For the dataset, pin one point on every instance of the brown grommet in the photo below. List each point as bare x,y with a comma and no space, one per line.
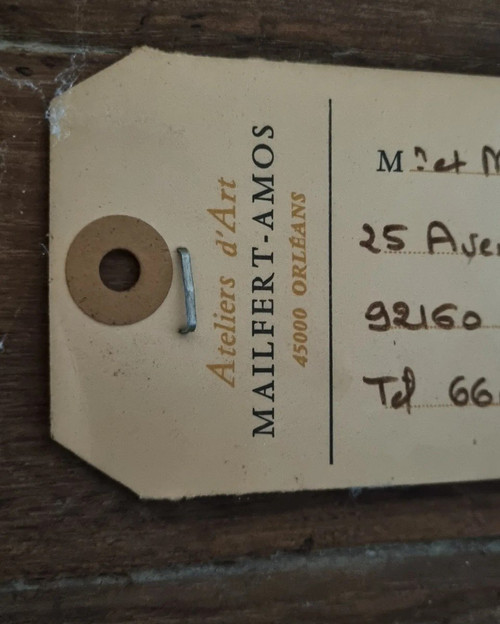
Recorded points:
88,291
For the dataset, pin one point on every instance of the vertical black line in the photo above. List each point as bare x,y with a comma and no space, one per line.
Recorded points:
330,251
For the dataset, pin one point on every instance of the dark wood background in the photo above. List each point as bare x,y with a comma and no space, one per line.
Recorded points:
77,547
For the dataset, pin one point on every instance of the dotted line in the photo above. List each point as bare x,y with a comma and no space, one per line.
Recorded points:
443,405
427,253
481,173
456,327
440,405
441,253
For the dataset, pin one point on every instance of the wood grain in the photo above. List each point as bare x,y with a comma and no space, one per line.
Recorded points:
61,519
458,35
442,583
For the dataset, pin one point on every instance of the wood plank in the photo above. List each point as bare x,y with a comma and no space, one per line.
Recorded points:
52,504
454,35
58,516
441,583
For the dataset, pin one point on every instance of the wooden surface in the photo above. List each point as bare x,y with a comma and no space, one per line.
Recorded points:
77,547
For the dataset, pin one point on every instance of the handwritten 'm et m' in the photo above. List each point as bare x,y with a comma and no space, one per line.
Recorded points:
393,163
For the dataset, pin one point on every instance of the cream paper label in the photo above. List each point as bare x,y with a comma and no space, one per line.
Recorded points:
345,241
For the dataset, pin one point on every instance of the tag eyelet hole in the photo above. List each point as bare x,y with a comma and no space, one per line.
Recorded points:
119,270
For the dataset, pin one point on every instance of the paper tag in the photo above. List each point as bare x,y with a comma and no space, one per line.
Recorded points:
343,231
